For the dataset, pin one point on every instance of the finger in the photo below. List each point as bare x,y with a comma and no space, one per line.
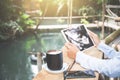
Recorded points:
67,44
65,49
91,33
118,47
70,45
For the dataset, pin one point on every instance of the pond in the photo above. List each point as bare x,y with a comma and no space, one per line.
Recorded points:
15,62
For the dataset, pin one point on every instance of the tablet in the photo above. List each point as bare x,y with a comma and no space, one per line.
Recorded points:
80,74
78,35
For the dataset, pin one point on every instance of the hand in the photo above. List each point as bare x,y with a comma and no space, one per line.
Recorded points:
71,50
118,47
94,37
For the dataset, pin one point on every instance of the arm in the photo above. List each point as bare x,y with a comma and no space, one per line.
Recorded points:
108,67
108,51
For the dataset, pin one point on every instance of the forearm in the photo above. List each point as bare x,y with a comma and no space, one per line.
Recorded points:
102,66
88,62
107,50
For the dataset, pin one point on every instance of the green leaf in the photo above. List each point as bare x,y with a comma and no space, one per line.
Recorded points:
25,16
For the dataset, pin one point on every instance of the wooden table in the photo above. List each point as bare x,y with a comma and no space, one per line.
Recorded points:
44,75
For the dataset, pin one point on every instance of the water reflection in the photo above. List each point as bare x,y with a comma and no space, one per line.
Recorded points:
51,41
14,62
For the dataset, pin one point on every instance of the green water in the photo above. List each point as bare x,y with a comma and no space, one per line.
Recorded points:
51,41
15,63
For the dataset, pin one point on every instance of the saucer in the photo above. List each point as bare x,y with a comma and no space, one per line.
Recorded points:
65,66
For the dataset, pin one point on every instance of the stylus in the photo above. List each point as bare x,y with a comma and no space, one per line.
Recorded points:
69,68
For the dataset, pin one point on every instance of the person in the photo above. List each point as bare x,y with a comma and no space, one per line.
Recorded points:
109,67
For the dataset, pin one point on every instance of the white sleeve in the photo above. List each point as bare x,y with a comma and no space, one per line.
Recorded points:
107,50
108,67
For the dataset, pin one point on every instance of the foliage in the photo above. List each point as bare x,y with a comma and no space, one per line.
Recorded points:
10,10
12,18
85,11
84,21
25,21
60,7
9,29
80,8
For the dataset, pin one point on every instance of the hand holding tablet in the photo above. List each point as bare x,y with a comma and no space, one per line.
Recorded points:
78,35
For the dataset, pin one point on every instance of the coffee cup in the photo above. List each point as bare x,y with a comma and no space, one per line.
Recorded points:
54,59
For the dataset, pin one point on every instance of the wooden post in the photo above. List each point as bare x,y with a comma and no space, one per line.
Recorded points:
71,1
103,18
69,12
39,61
